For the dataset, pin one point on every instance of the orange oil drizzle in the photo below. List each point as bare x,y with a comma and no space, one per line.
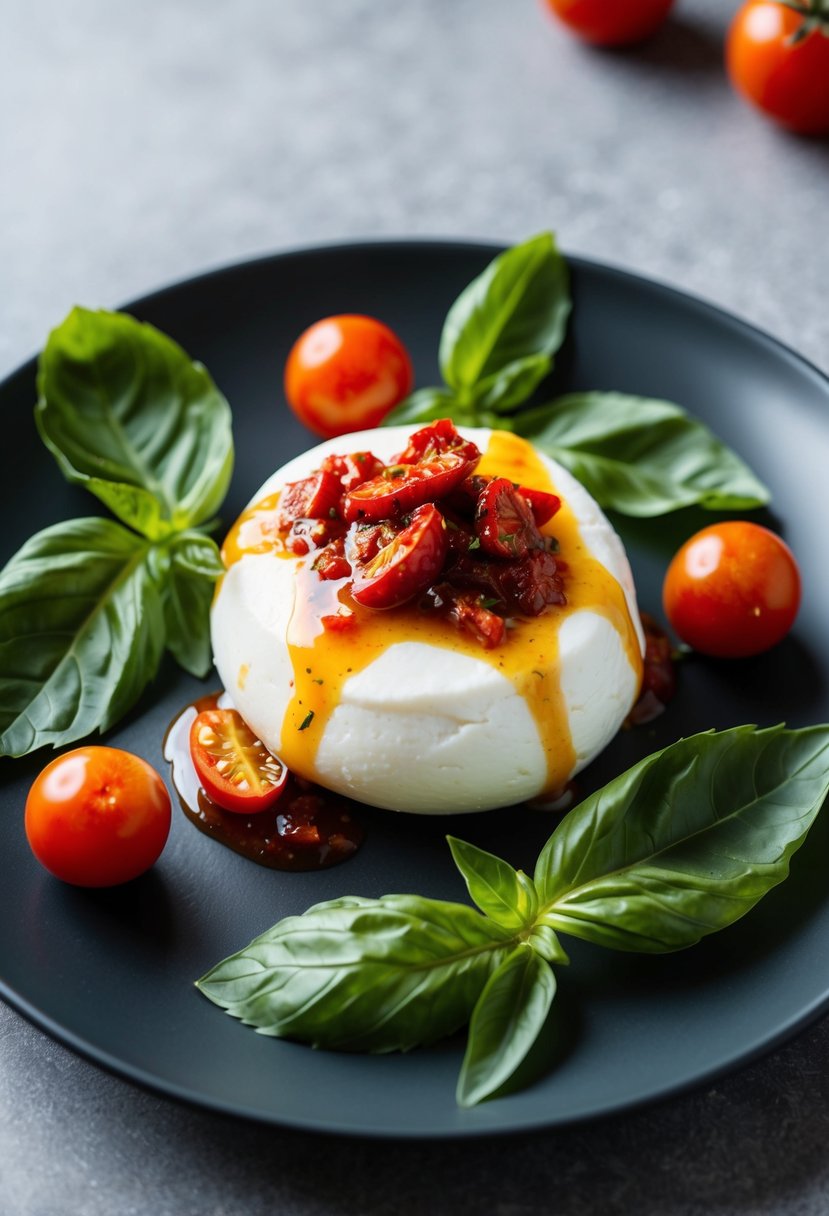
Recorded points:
324,657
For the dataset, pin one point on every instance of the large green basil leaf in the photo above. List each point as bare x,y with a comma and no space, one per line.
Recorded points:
685,842
640,456
515,311
506,895
81,633
192,566
502,391
506,1021
363,974
128,415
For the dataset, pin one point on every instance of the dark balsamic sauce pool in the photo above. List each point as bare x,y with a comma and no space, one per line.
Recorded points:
308,828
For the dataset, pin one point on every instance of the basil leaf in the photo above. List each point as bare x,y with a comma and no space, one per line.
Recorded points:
513,384
516,310
502,893
427,405
129,416
506,1022
640,456
363,974
685,842
81,633
193,565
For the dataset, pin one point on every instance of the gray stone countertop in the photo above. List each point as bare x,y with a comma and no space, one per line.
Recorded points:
142,143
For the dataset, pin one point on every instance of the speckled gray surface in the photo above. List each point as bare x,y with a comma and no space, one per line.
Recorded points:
143,143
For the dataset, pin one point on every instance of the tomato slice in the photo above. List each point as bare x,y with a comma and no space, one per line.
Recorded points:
331,562
405,567
315,497
402,487
504,521
236,770
435,440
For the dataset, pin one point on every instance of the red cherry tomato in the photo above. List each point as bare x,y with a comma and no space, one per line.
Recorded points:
97,816
611,22
404,567
732,590
236,770
402,487
345,373
780,65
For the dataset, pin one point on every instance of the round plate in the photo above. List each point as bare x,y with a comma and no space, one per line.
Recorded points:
111,973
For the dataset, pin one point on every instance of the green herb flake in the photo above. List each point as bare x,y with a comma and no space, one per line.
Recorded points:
307,720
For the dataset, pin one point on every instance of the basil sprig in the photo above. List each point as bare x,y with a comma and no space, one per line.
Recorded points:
679,846
88,606
635,455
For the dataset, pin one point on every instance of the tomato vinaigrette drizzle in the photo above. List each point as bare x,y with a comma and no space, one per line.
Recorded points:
331,637
306,829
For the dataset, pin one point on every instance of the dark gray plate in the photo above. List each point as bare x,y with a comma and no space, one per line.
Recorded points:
111,973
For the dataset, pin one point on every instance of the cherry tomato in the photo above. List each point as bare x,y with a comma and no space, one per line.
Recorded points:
403,568
345,373
402,487
236,770
97,816
781,65
732,590
611,22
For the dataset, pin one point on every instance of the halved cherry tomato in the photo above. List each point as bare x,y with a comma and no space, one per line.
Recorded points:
611,22
354,469
345,373
780,64
435,440
504,521
402,487
405,567
97,816
732,590
315,497
235,769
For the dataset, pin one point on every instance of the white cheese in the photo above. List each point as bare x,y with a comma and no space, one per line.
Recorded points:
426,729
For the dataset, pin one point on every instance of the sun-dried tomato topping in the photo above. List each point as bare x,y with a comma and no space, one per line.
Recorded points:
306,535
542,504
504,521
658,674
401,488
331,562
354,469
405,567
426,527
466,610
435,440
315,497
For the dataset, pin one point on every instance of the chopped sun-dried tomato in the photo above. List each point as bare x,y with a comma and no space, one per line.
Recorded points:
504,521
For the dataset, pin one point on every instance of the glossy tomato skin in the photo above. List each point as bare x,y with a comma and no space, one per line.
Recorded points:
788,80
97,817
235,769
611,22
345,373
732,590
